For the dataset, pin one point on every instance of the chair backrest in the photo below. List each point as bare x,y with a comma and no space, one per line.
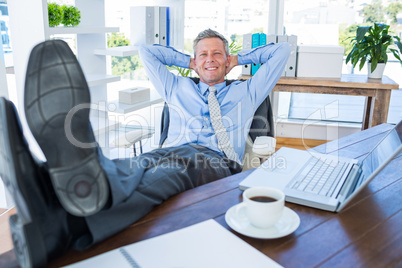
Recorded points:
262,124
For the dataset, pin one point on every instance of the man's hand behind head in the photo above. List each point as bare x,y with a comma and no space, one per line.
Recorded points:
192,66
233,63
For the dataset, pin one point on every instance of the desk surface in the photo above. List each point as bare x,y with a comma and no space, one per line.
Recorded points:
346,81
376,91
366,233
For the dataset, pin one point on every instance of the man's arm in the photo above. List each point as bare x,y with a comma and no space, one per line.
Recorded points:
273,58
155,58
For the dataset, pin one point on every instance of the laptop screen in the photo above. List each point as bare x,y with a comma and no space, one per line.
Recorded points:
389,146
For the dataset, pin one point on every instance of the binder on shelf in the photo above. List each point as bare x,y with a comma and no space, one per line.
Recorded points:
291,64
156,25
255,42
254,68
263,39
271,38
167,26
263,42
142,25
149,25
162,26
280,39
247,44
247,38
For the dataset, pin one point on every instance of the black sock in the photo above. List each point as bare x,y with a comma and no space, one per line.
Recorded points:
81,235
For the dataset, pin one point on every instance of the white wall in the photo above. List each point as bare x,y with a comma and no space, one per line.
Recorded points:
5,200
27,29
3,77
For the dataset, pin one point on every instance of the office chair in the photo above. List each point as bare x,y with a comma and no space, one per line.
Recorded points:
261,126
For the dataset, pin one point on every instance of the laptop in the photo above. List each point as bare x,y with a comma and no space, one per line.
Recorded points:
327,182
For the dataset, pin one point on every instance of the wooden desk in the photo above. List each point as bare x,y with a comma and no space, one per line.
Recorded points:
365,234
377,92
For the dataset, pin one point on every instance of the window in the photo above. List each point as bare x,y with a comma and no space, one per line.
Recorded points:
330,22
232,18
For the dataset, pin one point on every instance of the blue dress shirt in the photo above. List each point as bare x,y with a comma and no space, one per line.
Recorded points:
188,102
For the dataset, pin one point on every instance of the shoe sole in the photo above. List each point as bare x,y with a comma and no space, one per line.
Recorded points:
26,239
57,103
28,244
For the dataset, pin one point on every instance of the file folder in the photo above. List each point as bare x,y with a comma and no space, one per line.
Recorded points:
142,25
247,41
255,42
156,25
162,26
263,42
247,44
280,39
263,39
291,64
271,38
167,26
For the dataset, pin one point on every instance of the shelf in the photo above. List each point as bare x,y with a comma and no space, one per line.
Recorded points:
82,30
123,51
100,79
123,108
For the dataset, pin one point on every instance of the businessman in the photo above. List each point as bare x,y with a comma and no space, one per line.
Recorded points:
79,197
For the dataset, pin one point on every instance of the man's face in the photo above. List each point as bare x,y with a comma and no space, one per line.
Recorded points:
211,60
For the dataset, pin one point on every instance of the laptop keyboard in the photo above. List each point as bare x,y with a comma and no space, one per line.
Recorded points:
319,177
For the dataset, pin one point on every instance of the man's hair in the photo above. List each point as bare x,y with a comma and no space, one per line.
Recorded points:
208,33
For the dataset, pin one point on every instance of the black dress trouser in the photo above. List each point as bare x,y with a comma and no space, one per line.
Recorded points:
139,184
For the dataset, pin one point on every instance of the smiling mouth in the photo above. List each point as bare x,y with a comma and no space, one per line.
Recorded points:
211,68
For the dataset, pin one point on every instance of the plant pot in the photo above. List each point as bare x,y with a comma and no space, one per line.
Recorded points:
377,74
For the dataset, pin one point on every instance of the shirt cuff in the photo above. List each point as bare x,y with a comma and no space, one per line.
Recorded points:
242,57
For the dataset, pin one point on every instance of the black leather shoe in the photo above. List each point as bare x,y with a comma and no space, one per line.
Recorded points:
40,228
57,103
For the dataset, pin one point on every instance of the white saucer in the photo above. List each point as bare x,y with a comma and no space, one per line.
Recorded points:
286,225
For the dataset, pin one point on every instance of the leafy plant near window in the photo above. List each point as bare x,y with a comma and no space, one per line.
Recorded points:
234,48
346,33
67,15
55,14
71,16
372,43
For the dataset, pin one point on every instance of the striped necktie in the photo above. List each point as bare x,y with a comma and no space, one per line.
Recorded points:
220,131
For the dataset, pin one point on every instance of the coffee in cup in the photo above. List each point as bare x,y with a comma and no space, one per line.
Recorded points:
264,205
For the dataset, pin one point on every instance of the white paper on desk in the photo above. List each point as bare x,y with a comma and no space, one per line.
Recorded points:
206,244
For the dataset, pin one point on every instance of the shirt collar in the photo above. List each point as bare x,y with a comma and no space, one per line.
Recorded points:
204,87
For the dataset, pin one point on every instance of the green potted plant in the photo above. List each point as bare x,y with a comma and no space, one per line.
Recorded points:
55,14
71,16
371,45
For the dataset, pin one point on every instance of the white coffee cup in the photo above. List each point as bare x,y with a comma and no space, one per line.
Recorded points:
264,146
264,205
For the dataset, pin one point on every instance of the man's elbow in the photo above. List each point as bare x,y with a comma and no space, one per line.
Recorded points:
285,47
146,52
142,49
284,50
